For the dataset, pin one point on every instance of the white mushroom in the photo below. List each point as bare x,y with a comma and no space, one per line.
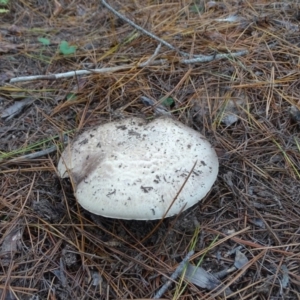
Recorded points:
134,169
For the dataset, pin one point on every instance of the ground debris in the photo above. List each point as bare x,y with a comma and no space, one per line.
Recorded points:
16,108
9,246
203,279
48,211
295,113
69,255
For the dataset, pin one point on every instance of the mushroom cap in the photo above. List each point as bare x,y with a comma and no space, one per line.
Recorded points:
134,169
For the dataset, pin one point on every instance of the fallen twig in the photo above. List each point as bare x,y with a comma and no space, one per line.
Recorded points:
153,36
83,72
199,59
150,59
173,277
207,58
195,59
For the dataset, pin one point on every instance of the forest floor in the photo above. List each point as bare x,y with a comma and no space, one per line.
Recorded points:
243,96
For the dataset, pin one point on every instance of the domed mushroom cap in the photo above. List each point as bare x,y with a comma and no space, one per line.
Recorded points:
132,169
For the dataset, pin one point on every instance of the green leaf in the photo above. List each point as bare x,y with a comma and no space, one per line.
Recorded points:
2,10
4,2
168,102
44,41
65,49
71,97
197,8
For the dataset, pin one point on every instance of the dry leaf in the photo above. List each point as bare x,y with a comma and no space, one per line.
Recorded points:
96,278
240,259
295,114
203,279
257,222
285,276
231,112
9,246
15,108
